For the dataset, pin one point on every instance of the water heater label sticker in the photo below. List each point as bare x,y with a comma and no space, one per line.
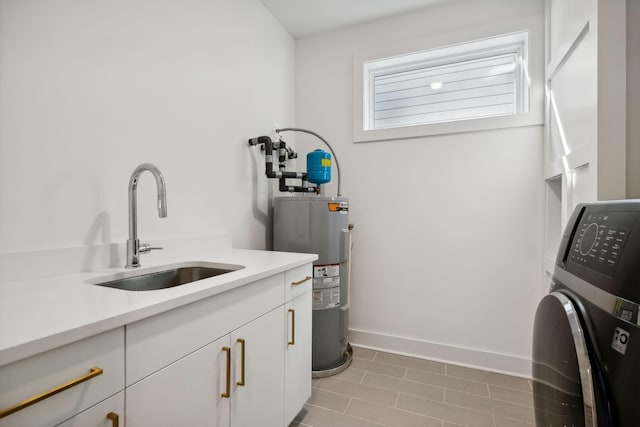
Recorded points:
324,299
328,270
326,276
620,340
326,282
339,207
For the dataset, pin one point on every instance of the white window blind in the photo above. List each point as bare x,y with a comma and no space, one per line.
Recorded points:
474,80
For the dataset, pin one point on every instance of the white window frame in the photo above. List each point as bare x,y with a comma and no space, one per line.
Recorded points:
530,106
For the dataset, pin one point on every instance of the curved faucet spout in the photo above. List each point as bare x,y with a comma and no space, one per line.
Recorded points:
133,244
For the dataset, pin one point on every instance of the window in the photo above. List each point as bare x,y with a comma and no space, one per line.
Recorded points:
474,80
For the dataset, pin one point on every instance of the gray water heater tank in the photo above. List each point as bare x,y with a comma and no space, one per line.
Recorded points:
320,225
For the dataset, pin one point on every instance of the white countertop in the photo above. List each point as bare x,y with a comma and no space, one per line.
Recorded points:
39,315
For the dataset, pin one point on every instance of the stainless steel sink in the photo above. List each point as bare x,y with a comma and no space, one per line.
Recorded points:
168,278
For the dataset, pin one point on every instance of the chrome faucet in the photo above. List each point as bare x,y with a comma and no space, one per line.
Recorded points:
134,248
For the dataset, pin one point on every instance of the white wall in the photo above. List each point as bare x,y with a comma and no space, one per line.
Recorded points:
89,89
633,99
588,155
447,238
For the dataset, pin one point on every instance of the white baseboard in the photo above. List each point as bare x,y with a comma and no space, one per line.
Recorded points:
479,359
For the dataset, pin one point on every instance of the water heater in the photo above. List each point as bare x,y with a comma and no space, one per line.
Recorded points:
320,225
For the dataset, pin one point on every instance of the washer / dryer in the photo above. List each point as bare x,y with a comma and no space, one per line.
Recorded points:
586,338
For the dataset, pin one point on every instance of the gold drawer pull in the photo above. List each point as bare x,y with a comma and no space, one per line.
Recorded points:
94,372
293,327
241,382
306,279
227,393
115,419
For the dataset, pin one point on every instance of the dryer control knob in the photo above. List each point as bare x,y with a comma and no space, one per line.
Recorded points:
588,239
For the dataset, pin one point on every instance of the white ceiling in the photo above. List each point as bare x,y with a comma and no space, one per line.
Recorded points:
307,17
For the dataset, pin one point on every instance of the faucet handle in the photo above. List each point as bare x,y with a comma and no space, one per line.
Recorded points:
146,248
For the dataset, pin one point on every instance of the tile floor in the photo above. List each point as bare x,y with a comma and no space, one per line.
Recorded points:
384,389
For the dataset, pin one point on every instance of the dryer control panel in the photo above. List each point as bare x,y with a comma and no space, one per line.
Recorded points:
601,245
600,238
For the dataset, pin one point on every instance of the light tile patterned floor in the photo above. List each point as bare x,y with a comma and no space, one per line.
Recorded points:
384,389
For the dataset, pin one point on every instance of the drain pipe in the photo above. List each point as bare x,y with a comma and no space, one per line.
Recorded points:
321,139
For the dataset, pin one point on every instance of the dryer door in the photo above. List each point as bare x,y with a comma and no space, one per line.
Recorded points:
562,376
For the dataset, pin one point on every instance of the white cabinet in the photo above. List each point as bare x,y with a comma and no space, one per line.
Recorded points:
157,341
108,413
257,397
177,361
185,393
195,391
297,360
94,365
298,281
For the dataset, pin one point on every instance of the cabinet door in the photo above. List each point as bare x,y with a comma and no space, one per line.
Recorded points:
297,355
95,365
109,413
258,401
185,393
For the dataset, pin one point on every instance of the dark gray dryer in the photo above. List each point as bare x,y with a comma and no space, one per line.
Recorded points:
586,339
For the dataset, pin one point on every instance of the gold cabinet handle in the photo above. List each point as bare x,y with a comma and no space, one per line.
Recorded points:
114,419
241,382
94,372
293,327
306,279
227,393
